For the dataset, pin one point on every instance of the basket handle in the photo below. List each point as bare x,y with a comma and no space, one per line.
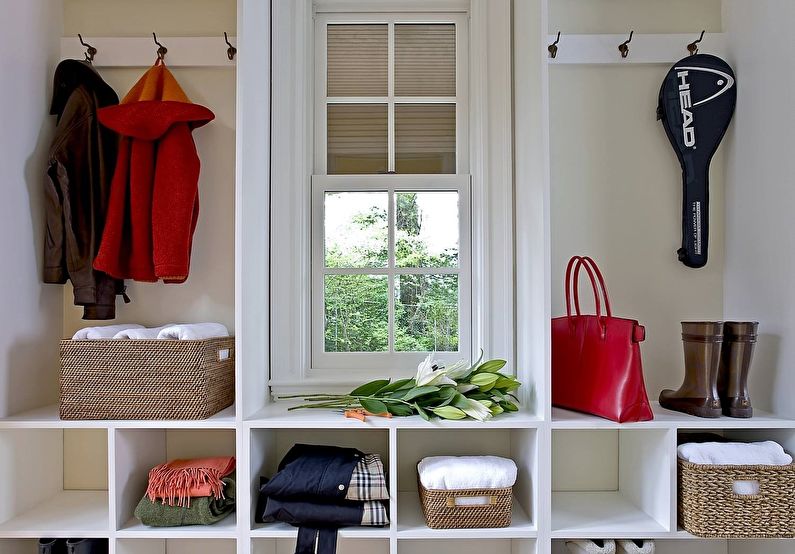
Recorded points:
471,501
224,354
746,488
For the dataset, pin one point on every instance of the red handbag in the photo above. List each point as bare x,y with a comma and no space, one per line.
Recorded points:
596,365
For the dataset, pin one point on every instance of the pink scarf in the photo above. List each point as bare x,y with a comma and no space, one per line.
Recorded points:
179,480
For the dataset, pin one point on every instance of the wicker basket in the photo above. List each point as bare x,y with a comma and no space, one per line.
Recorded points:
443,509
146,379
709,507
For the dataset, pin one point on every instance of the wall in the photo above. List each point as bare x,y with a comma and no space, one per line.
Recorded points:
208,295
30,330
760,195
616,195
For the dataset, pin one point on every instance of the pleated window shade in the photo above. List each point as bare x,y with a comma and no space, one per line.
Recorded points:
425,138
357,138
424,60
357,59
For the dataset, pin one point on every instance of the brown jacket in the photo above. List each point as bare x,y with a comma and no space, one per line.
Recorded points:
81,163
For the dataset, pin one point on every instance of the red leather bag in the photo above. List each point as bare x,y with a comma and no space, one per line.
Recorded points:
596,365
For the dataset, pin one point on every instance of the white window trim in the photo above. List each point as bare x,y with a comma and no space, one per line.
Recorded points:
492,208
388,363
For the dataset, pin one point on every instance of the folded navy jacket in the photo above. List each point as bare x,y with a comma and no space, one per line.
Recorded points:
309,491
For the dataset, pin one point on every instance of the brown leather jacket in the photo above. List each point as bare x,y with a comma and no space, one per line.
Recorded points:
81,163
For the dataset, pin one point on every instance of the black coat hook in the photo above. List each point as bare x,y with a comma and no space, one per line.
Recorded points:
90,50
693,46
624,46
162,50
231,51
553,48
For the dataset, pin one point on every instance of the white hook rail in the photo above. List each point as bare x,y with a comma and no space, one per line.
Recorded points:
142,52
649,48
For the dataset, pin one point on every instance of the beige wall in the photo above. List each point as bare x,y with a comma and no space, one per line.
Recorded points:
208,295
616,194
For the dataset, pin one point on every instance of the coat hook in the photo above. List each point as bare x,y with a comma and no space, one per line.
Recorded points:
693,46
553,48
162,50
624,46
90,50
231,51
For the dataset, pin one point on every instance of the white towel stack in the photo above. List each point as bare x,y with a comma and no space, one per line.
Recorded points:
768,453
171,331
466,472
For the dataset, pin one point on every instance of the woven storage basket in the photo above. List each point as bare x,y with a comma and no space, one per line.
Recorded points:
442,511
146,379
709,507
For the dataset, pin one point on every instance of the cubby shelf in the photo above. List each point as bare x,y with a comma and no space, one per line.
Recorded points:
285,531
411,524
277,415
224,529
601,515
48,418
66,514
667,419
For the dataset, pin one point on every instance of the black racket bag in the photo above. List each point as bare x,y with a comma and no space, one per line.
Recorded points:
696,104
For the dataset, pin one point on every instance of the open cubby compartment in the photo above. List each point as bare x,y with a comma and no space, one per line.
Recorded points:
55,483
137,451
669,546
610,483
518,444
468,546
268,446
176,546
345,545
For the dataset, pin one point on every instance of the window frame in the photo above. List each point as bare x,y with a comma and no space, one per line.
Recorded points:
461,98
390,362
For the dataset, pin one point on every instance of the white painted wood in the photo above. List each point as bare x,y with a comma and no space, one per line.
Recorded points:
605,514
142,51
78,514
136,452
348,6
175,546
644,48
644,472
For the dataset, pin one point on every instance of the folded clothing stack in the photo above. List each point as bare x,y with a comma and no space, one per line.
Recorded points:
766,453
189,492
450,473
321,488
170,331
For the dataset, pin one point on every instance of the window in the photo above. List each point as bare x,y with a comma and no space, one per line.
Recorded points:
391,267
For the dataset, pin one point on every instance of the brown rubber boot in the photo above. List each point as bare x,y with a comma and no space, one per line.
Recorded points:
739,338
698,394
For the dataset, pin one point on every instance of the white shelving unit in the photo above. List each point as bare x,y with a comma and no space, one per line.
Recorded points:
579,476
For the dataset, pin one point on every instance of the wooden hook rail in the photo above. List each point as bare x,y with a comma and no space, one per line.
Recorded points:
141,52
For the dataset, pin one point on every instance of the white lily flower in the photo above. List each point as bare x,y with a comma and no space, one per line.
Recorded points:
465,387
429,373
458,370
474,409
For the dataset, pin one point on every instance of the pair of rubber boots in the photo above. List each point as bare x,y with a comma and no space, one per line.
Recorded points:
717,360
610,546
73,546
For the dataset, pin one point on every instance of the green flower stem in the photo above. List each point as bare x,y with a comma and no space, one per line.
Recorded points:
341,401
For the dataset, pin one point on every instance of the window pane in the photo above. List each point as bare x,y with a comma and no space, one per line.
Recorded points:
425,60
425,138
426,233
357,60
357,315
355,229
426,313
357,138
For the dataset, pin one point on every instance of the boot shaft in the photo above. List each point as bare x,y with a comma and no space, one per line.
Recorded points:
737,353
52,546
702,342
87,546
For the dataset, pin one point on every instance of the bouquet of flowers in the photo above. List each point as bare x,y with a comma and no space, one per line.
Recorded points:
478,391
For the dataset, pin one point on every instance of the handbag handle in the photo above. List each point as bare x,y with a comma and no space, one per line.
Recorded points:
579,261
588,262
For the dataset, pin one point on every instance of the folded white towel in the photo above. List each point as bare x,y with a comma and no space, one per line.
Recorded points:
105,332
767,453
193,331
466,472
149,333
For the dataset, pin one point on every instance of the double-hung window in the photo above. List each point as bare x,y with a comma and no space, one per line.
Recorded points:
391,230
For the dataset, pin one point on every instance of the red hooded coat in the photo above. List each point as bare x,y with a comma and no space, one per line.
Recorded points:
154,196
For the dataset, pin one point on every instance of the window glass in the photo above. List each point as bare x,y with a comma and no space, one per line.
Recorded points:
355,229
426,233
357,138
425,138
426,313
424,60
356,313
356,60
